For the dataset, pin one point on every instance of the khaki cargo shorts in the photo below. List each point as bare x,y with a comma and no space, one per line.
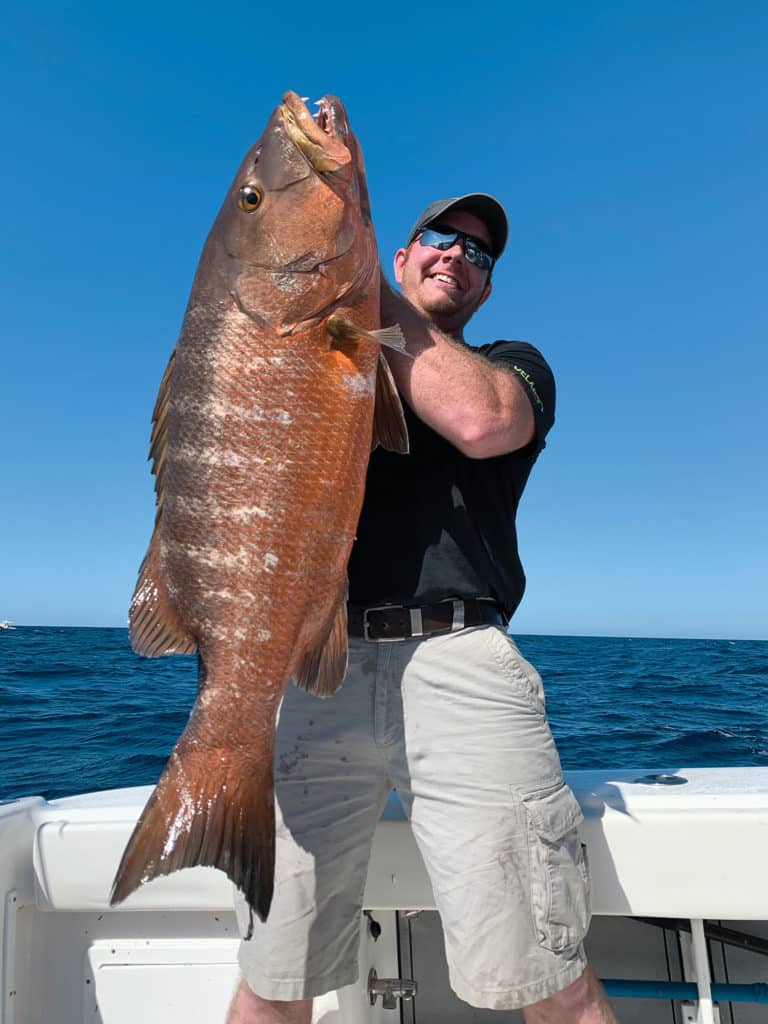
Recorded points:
457,724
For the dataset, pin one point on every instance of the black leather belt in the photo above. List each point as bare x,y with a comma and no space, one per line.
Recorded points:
393,622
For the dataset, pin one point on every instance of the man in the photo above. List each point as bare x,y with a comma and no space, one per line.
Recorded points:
451,715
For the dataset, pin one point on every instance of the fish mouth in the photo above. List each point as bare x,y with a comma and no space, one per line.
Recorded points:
322,139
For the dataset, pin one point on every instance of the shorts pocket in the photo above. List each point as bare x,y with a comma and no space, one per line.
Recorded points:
519,671
559,870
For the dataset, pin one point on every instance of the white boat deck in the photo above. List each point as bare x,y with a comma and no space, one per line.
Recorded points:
696,851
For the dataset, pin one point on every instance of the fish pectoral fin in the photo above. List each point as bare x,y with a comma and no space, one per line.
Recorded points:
206,810
392,337
323,667
389,429
155,625
341,329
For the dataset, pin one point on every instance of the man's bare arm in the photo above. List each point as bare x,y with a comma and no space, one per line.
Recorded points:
480,408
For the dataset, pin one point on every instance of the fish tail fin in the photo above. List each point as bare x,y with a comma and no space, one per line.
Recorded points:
199,817
155,625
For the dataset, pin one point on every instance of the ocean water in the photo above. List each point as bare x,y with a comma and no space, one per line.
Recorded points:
81,712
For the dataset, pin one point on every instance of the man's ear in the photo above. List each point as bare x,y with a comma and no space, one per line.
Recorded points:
398,263
486,294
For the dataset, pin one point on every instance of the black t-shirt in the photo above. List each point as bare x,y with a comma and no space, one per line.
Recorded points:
436,524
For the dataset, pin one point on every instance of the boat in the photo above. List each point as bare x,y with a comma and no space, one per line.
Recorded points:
679,896
5,624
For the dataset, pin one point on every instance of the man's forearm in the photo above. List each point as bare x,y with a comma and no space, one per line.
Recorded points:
478,407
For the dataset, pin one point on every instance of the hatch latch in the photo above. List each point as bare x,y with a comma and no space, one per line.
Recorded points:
390,989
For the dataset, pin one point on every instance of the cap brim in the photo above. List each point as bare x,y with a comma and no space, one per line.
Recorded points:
479,204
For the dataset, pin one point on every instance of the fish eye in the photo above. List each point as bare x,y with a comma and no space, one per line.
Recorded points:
249,198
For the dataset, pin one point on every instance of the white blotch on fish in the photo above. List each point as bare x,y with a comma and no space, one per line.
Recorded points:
212,455
213,557
214,510
179,824
359,384
245,513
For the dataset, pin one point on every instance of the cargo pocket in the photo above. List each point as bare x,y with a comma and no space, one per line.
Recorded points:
559,870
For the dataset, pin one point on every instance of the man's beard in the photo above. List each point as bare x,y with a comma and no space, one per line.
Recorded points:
449,317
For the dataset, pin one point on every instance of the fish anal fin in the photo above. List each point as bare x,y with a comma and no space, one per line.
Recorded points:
322,668
389,428
155,625
198,816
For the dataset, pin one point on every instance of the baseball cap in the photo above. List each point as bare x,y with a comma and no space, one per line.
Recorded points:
484,207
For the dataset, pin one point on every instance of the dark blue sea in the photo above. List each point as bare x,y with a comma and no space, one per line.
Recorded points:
81,712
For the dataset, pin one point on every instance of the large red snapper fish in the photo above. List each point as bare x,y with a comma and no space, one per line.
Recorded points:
273,398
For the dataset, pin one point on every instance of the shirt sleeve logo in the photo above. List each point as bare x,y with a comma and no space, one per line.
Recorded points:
531,386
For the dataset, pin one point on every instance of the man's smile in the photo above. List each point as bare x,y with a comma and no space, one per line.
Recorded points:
448,280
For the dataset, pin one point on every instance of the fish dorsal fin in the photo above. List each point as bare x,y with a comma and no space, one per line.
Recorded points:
323,667
158,445
389,429
155,625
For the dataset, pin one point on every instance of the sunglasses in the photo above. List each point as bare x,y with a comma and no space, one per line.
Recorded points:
475,251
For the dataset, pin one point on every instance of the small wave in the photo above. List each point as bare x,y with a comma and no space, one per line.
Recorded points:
756,669
72,672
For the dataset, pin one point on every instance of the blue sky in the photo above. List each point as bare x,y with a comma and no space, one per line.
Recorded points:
629,145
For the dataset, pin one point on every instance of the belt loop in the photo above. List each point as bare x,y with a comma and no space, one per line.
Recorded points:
417,625
457,622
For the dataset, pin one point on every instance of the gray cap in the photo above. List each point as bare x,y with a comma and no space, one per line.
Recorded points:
484,207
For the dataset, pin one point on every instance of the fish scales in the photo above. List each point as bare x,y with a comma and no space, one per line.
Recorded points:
262,430
300,496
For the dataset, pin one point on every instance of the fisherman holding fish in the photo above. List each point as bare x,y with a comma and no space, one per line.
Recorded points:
437,701
275,557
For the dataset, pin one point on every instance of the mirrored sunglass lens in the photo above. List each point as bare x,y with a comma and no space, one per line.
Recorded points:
437,239
473,251
475,254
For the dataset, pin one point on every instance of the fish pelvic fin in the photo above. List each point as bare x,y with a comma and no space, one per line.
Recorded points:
323,666
155,624
389,428
198,816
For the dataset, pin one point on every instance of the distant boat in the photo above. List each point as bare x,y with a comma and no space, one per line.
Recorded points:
5,624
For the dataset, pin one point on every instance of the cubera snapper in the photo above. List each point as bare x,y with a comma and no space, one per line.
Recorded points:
273,398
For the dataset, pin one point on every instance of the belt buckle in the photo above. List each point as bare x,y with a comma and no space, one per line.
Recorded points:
380,639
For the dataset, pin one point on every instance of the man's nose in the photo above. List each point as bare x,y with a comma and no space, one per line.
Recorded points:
455,252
